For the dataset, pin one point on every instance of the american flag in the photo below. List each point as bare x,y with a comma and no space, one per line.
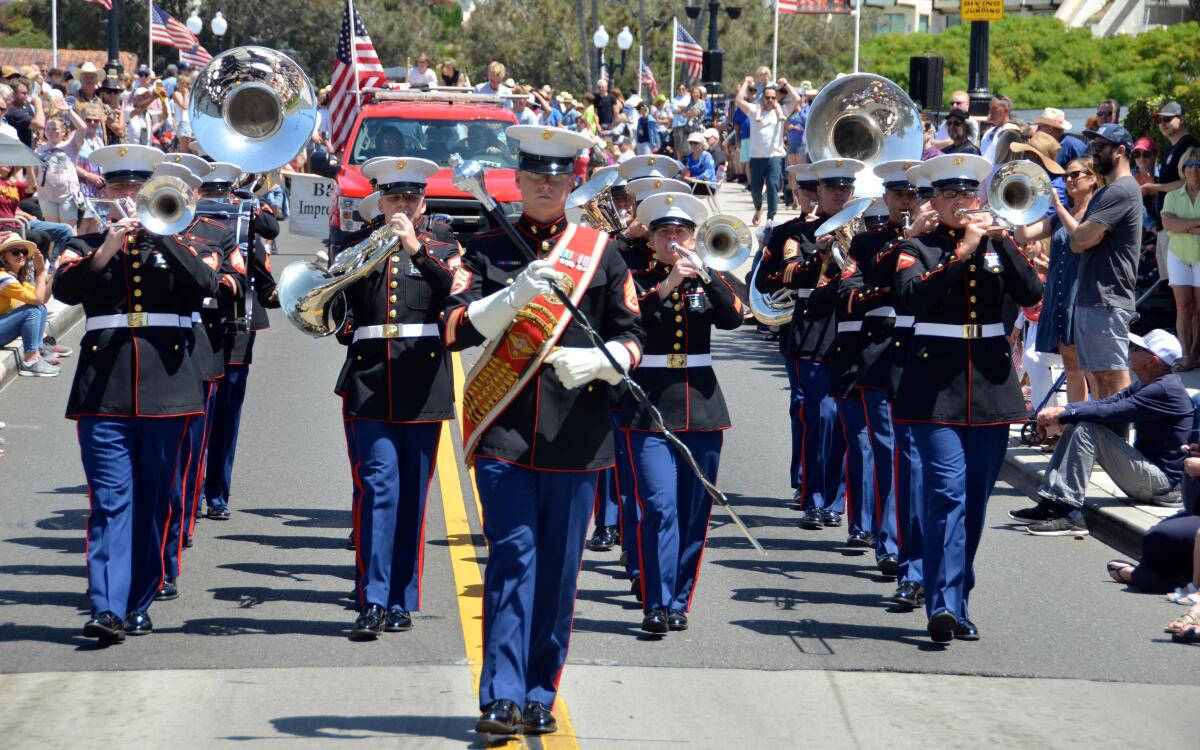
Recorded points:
789,6
166,29
360,62
687,51
196,56
106,4
814,6
649,81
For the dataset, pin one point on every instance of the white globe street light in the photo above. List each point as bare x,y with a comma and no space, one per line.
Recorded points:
600,38
625,39
219,25
194,24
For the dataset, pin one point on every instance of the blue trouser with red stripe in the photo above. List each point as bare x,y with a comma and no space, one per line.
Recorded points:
824,448
132,470
909,505
222,444
183,505
795,413
859,482
536,524
392,466
675,509
878,410
960,465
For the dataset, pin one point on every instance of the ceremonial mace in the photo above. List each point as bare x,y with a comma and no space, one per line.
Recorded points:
468,177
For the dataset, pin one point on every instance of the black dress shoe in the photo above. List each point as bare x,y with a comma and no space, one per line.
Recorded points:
168,592
811,519
635,586
218,512
965,630
138,623
397,621
677,620
350,543
538,719
187,541
860,539
655,622
604,539
942,626
501,717
909,594
106,626
369,624
889,565
831,518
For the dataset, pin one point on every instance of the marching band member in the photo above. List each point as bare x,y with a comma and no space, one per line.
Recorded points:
396,390
535,421
242,325
796,259
679,310
959,390
806,188
206,354
134,390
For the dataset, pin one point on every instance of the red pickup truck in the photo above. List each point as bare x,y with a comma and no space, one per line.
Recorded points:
430,125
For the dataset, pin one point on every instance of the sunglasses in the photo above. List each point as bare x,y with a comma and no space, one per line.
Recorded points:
1098,145
1077,174
18,251
1104,113
768,98
953,123
1142,154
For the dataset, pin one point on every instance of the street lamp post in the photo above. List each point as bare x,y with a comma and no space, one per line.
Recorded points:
624,42
977,69
114,38
600,41
714,56
219,26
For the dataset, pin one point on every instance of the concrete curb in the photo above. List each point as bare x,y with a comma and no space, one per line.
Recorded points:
1111,517
61,319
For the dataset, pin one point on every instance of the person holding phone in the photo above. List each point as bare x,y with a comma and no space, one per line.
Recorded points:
23,303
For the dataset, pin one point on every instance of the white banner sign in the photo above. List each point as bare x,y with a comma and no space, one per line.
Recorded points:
310,197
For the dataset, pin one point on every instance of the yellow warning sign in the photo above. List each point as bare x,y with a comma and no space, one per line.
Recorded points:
981,10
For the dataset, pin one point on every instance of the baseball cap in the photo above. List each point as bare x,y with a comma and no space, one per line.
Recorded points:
959,113
1159,343
1113,133
1170,109
696,138
143,70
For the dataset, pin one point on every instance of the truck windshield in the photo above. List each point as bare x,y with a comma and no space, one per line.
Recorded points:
481,140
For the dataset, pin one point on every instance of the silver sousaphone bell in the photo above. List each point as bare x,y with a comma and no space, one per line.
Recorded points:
253,107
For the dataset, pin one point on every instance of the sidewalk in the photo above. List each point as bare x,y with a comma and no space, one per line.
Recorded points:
60,320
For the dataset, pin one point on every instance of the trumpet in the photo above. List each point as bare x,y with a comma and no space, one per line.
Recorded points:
91,205
695,260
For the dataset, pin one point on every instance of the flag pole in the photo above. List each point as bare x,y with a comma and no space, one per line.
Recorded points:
150,43
54,33
775,52
857,30
674,38
353,52
641,64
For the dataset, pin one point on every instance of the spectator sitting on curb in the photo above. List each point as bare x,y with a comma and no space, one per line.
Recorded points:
1169,550
1149,470
23,304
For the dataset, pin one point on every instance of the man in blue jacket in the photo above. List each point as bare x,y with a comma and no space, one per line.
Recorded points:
1149,470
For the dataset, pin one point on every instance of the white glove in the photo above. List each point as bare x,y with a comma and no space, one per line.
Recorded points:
492,314
577,366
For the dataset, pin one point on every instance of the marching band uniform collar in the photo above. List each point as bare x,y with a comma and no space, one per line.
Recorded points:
539,231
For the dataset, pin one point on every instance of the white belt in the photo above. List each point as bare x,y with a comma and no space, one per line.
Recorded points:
210,303
965,331
850,325
905,321
880,312
803,293
396,331
186,321
674,361
136,320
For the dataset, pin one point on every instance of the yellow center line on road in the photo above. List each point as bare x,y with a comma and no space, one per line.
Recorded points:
468,577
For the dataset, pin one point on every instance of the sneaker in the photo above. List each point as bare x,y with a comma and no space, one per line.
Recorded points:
1069,525
1043,511
38,368
1173,499
51,360
56,350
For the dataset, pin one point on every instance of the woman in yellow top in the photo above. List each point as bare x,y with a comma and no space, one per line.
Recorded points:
1181,220
23,304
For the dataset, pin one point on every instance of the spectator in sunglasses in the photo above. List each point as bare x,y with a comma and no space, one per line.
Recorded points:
23,302
1143,171
1108,111
1181,220
956,127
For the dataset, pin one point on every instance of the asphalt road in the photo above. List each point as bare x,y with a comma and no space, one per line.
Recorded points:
263,618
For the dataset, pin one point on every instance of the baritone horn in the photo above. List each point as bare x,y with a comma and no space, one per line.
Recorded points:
165,205
1019,194
253,107
592,204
